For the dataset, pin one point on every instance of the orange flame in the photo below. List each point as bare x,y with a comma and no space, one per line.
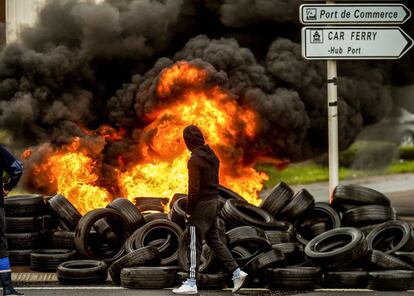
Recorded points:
161,165
109,133
26,154
163,170
73,173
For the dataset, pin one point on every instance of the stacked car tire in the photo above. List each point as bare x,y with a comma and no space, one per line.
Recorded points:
289,242
58,236
24,223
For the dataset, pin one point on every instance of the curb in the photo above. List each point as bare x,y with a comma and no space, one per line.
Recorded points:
34,278
39,278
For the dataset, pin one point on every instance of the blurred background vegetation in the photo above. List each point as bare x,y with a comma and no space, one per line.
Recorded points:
3,137
362,159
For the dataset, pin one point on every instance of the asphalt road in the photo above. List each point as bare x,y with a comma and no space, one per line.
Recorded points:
110,291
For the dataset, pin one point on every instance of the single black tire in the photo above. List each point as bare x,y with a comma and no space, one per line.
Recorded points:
176,197
155,216
366,215
19,257
300,203
255,281
380,260
243,235
366,230
337,247
227,193
149,277
357,195
147,256
82,272
278,237
407,257
282,226
305,263
400,232
106,231
28,205
319,228
49,222
345,207
243,255
23,224
22,241
130,244
177,213
207,260
50,259
239,213
162,244
129,211
395,280
329,220
346,279
293,252
270,259
63,240
206,280
277,199
44,239
67,215
289,248
287,226
157,204
300,278
83,230
307,230
160,229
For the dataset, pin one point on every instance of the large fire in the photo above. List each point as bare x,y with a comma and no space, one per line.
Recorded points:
161,166
72,171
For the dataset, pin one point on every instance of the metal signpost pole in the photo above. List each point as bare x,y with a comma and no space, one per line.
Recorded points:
350,42
332,74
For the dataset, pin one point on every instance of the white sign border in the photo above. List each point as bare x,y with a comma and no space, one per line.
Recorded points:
303,41
301,15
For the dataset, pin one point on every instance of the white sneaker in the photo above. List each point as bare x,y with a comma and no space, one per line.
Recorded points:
239,281
186,289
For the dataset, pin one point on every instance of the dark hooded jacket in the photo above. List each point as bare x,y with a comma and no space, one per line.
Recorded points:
13,167
203,169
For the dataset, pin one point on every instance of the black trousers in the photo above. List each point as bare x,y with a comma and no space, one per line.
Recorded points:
203,225
3,240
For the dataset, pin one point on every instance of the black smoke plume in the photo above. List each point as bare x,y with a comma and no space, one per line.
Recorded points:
83,65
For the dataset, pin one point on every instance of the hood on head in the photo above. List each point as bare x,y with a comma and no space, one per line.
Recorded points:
193,137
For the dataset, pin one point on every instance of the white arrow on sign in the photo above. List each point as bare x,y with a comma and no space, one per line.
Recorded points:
354,43
368,14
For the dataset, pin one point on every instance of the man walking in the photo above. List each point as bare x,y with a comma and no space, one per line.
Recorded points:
14,168
202,211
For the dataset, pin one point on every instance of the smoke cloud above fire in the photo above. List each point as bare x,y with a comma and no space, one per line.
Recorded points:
93,72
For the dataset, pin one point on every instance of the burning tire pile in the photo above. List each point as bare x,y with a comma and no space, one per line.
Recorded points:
289,242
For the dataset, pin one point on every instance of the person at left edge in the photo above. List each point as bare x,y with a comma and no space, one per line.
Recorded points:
14,168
